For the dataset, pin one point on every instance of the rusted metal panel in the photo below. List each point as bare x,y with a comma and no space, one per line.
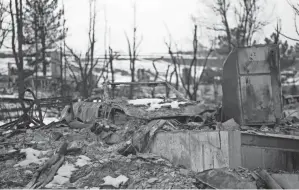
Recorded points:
253,60
257,99
230,89
251,86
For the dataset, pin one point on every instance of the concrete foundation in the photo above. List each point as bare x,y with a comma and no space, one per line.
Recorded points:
199,151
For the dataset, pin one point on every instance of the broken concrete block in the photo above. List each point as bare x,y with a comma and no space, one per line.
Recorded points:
105,134
56,135
287,181
152,180
74,146
114,139
264,128
223,179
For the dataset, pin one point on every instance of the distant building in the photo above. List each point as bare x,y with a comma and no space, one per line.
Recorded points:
32,79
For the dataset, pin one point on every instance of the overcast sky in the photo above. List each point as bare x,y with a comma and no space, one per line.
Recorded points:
155,20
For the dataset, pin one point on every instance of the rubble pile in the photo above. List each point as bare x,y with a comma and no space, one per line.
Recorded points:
104,155
90,158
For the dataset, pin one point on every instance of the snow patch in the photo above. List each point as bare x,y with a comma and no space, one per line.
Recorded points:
145,101
63,175
115,182
48,120
66,170
173,105
82,161
6,132
32,156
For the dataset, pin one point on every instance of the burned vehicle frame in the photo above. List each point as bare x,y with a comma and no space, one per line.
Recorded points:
119,111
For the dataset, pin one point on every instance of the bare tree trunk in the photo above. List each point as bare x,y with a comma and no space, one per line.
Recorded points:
3,30
111,58
17,28
43,40
61,71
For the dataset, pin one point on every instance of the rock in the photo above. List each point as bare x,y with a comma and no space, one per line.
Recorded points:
230,125
224,179
264,128
49,153
29,131
184,172
41,146
75,144
56,135
74,148
28,172
277,129
114,139
39,138
152,180
105,134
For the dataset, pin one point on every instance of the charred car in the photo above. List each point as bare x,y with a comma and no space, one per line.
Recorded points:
149,101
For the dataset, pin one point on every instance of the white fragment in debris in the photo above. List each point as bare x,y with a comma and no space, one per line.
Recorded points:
48,120
11,150
230,125
31,125
32,157
145,101
115,182
57,181
7,132
82,161
63,175
94,188
173,105
66,170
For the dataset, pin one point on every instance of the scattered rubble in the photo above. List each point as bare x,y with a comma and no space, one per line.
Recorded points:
102,153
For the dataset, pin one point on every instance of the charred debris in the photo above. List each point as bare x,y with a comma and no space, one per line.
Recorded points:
108,142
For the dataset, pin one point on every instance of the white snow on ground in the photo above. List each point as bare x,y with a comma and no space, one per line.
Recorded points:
6,132
115,182
145,101
1,123
63,175
82,161
32,156
147,65
174,105
8,95
155,103
65,171
48,120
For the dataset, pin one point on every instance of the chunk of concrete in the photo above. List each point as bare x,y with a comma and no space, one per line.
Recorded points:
287,181
223,179
198,150
230,125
